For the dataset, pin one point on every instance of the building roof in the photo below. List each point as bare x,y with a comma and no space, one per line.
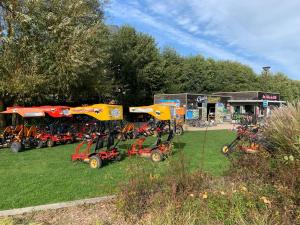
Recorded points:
229,92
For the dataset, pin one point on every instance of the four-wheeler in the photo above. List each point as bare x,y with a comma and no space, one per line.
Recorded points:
8,135
100,153
54,134
57,132
160,149
245,141
27,136
98,138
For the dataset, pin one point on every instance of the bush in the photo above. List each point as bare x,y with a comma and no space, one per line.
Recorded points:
282,132
260,188
241,197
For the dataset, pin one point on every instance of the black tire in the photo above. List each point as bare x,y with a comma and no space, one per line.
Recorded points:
50,143
70,141
16,147
118,157
95,162
179,130
40,144
156,156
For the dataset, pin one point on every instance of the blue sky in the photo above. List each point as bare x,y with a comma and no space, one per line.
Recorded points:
256,32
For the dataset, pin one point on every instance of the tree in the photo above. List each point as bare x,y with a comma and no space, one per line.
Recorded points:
289,90
56,50
234,76
134,65
171,69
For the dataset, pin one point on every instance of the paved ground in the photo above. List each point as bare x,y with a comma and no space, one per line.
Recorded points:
13,212
223,126
100,213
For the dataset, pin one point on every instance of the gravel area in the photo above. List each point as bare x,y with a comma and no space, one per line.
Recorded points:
104,213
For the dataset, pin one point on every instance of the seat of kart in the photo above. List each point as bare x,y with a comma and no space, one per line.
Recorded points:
159,141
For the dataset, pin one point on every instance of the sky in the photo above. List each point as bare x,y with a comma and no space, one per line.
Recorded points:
256,33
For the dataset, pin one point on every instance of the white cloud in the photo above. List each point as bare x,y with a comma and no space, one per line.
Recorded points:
254,32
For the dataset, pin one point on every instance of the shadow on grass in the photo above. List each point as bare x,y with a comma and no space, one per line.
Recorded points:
179,145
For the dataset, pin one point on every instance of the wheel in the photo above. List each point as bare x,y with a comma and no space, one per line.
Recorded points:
118,157
40,144
50,143
156,156
225,150
95,162
179,130
72,140
16,147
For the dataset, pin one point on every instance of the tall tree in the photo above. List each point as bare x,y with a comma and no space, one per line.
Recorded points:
56,50
134,64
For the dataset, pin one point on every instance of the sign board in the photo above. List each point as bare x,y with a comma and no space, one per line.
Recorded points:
201,99
268,96
211,99
192,114
219,113
265,103
170,102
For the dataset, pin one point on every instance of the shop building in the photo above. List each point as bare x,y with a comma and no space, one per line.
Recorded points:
257,103
221,106
197,106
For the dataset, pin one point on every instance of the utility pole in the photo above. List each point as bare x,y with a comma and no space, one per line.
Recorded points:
265,77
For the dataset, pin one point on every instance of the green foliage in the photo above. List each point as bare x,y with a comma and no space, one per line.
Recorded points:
282,132
61,51
270,196
54,50
134,64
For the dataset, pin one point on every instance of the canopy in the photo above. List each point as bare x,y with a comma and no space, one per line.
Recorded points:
101,112
160,112
39,111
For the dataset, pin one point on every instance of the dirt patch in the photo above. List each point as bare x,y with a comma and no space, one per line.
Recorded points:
104,213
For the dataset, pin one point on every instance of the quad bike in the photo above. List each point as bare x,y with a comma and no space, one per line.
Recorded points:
84,127
245,141
160,149
27,136
163,126
100,153
8,135
157,152
53,136
24,139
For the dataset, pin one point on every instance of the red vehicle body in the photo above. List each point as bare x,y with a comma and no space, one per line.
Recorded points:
52,139
100,153
86,155
157,152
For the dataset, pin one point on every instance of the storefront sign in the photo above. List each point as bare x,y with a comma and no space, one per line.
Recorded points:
265,103
211,99
268,96
201,99
192,114
170,102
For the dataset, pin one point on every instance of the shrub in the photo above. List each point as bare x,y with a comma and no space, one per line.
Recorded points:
282,132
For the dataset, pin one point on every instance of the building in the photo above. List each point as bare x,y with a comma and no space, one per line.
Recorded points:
255,103
197,106
222,106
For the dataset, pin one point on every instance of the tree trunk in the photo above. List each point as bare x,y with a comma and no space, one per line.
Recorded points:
2,118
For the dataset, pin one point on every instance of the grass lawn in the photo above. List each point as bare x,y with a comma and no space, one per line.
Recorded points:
41,176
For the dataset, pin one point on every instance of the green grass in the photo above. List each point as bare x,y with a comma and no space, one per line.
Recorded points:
41,176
